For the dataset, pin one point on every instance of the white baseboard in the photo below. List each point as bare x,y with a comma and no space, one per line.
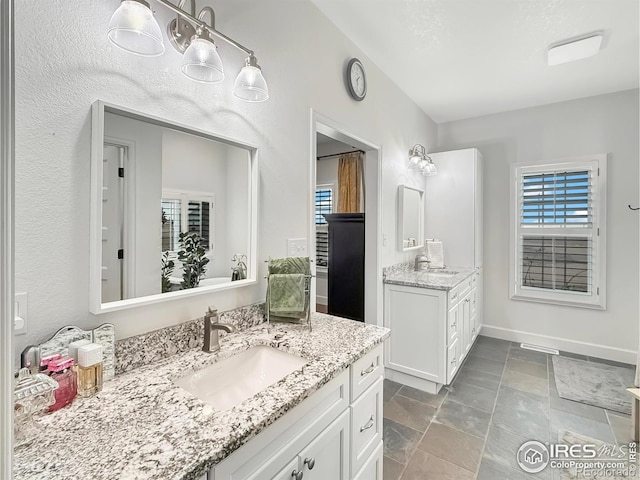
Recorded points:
322,300
411,381
573,346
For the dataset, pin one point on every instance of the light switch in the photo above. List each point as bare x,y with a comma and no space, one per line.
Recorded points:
297,247
21,313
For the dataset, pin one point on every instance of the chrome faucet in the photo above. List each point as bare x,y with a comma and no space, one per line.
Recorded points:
211,331
421,259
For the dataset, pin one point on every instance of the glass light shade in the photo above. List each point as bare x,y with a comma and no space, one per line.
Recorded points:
201,61
134,29
250,85
429,169
415,161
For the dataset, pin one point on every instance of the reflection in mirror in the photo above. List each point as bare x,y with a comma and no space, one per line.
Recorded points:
410,218
176,210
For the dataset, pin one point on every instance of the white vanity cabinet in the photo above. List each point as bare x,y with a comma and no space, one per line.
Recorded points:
334,434
432,331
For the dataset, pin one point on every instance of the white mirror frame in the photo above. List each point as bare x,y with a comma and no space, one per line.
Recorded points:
95,250
420,239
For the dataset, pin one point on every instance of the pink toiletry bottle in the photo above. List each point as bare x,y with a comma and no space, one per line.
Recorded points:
60,370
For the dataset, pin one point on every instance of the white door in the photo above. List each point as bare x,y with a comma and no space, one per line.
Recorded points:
327,457
112,223
290,472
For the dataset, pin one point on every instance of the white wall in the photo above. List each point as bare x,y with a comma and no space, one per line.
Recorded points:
59,76
602,124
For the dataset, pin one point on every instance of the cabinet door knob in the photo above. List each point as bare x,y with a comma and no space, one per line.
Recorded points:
368,370
310,463
297,475
454,324
367,425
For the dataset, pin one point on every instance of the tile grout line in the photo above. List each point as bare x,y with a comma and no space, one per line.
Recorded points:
425,432
495,403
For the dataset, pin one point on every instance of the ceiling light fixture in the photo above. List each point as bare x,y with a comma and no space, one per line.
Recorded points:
134,29
576,49
418,159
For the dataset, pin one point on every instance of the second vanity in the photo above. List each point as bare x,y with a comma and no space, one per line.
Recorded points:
435,317
323,420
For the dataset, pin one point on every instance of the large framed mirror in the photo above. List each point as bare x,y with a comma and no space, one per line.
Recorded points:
173,210
410,218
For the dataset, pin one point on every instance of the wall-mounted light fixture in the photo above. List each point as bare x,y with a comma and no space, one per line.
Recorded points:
134,29
419,159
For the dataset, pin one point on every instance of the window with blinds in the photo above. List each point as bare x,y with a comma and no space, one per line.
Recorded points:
182,212
324,204
558,239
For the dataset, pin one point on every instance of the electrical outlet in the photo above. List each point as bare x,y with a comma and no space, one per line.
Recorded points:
297,247
20,314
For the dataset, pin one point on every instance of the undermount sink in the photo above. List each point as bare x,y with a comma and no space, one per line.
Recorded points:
231,381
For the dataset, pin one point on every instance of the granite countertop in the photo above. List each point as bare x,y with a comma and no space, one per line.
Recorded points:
405,274
143,426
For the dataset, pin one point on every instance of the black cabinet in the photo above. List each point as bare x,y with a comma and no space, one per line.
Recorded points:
346,265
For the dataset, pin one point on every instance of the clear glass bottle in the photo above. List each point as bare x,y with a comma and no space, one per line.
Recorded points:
89,380
89,370
60,370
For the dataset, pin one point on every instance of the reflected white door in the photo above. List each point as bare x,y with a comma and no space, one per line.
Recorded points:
112,222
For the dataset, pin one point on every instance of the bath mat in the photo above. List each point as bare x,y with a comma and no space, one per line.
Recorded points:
594,383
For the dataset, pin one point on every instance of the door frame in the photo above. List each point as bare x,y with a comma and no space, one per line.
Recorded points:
373,209
7,181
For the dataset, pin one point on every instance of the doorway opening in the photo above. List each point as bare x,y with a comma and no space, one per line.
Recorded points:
352,285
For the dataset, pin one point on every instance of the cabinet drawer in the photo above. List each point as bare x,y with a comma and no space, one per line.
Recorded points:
372,469
452,360
366,425
474,301
452,325
453,296
366,371
465,285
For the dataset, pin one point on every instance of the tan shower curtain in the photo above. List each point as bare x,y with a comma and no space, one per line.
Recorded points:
350,183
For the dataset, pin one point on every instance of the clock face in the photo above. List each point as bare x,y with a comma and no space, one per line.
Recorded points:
356,79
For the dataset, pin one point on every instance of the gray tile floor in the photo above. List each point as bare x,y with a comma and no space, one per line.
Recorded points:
502,396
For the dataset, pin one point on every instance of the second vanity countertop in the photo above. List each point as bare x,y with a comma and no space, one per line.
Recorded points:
405,274
143,426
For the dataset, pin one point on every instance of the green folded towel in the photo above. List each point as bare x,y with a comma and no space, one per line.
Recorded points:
290,265
287,294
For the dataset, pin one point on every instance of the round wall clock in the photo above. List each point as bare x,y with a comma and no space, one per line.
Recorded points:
356,80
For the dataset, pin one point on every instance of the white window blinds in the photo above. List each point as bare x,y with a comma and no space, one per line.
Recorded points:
558,238
324,204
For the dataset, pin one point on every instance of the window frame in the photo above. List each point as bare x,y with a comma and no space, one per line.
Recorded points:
596,298
185,198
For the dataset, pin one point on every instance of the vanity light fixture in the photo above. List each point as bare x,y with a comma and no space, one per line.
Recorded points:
419,159
134,29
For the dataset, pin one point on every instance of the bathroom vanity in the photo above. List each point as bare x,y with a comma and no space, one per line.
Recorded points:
435,317
323,420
